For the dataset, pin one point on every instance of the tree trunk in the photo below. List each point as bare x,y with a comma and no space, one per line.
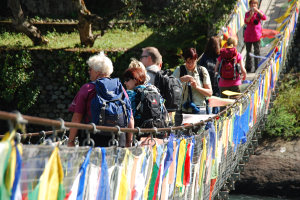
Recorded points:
86,19
85,31
24,26
85,24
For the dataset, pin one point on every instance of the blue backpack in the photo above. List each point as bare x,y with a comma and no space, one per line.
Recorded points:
110,107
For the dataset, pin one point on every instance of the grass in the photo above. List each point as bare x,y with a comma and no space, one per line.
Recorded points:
284,118
115,39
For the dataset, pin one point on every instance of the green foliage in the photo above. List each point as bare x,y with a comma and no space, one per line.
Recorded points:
24,71
133,13
76,70
284,118
196,17
17,84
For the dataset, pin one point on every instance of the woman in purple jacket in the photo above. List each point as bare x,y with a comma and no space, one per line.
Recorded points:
253,32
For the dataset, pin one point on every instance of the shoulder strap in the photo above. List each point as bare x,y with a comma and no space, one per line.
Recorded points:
156,80
220,65
200,72
182,71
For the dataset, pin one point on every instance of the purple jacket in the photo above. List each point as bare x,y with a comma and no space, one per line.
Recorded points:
253,31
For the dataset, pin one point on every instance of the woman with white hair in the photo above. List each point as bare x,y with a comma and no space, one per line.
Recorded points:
100,69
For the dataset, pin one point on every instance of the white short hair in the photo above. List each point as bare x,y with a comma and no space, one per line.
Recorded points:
101,63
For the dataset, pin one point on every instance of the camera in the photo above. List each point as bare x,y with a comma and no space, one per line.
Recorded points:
255,21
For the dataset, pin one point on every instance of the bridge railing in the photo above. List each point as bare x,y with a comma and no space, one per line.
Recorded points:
197,161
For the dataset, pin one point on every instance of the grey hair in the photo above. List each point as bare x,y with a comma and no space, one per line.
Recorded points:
154,54
101,63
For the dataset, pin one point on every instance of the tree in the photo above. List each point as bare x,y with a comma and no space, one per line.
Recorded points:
22,25
87,19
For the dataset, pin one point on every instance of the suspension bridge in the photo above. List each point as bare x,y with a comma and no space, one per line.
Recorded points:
197,161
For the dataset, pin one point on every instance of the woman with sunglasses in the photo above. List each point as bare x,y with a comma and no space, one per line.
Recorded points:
146,102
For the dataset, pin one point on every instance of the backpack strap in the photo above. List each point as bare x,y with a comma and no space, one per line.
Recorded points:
234,68
124,107
102,111
200,72
220,66
182,71
190,92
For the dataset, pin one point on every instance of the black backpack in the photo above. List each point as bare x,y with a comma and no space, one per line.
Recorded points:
150,110
210,66
170,89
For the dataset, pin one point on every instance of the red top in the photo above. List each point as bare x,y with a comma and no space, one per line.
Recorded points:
253,32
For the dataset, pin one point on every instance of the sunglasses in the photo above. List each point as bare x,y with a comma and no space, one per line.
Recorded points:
144,56
127,79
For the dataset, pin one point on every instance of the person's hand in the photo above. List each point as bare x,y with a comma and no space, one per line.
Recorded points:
186,78
244,76
193,84
254,10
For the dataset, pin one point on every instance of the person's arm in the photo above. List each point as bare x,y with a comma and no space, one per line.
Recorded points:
217,66
244,72
77,117
260,13
205,90
250,15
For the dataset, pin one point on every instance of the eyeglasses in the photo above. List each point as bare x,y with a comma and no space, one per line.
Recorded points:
127,79
144,56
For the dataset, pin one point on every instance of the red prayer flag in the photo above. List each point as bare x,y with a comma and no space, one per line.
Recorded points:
269,33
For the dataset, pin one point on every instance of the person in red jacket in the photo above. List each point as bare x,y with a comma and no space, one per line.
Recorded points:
253,33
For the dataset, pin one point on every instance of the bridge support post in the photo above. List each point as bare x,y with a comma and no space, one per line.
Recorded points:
246,156
241,165
222,195
250,149
230,183
254,141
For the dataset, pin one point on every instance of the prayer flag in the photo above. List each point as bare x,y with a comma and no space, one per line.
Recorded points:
50,186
